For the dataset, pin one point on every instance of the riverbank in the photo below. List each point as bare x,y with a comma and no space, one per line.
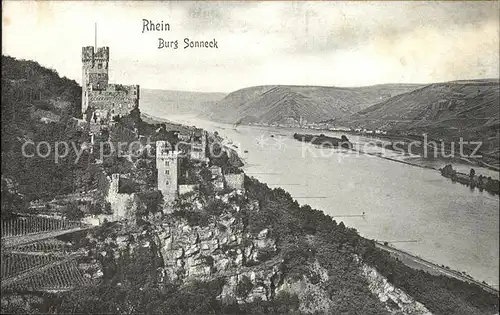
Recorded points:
324,141
472,180
401,202
419,263
487,160
401,154
440,151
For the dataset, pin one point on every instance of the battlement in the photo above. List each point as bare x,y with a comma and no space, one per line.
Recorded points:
165,150
102,53
88,54
168,155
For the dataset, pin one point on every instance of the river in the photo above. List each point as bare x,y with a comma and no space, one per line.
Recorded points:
444,222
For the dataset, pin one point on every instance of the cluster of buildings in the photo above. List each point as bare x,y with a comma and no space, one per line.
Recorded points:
168,165
368,131
103,101
302,123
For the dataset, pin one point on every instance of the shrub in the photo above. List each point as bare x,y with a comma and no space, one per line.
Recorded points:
244,287
95,209
216,207
193,218
73,212
265,254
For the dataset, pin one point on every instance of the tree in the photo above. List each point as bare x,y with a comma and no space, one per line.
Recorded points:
95,209
73,212
472,173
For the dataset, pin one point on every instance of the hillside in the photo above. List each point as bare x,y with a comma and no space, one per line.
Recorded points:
279,103
468,109
166,102
37,105
215,250
38,90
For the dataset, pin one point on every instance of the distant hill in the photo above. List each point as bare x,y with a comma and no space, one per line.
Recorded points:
468,109
278,103
169,125
166,102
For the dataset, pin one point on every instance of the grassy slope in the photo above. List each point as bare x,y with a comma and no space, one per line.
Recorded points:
314,103
468,109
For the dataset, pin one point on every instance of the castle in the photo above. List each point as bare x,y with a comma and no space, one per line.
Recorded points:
102,101
168,166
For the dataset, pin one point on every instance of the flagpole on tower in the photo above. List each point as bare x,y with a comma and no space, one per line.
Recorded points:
95,36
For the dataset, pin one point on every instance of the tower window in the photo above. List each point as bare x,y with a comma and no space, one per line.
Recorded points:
167,163
99,66
167,183
167,172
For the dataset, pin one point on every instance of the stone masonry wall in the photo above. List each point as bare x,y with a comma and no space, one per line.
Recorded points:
235,181
124,206
115,100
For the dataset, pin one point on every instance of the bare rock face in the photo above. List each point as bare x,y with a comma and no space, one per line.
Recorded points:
213,250
391,295
313,298
221,249
247,284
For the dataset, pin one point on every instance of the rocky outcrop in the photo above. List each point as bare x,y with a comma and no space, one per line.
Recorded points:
223,248
247,284
312,296
397,300
214,250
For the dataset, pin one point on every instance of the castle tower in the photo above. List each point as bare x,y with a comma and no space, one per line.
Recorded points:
167,165
95,73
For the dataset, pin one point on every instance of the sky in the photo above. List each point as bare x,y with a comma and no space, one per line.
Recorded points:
261,43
